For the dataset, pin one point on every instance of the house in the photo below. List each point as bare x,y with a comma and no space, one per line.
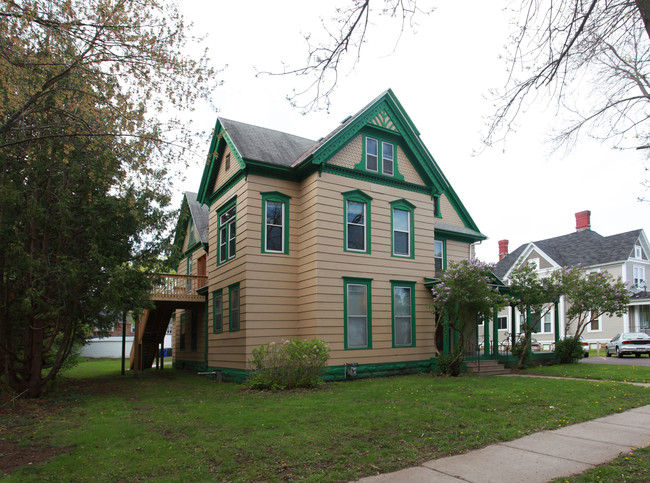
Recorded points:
625,255
332,239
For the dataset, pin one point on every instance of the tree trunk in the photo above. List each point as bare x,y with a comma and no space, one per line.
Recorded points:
644,10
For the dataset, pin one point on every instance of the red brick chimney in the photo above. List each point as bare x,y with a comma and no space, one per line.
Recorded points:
583,220
503,249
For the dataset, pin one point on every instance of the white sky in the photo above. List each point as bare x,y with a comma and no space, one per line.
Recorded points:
441,74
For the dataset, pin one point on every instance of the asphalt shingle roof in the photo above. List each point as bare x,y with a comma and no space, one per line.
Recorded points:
266,145
200,215
584,247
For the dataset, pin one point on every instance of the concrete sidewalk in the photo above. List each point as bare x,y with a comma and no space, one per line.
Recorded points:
539,457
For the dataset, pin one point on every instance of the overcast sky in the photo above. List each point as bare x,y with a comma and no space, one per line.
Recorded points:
441,74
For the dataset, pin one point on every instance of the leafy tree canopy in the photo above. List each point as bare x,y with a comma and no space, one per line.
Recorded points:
87,148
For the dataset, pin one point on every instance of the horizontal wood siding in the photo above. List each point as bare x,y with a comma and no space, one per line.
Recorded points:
457,250
448,212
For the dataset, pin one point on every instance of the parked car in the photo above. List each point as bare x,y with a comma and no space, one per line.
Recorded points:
535,346
585,346
636,343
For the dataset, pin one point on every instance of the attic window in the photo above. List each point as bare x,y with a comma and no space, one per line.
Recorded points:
227,161
638,252
372,146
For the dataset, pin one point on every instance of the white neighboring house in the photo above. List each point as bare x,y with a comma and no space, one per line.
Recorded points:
625,255
111,347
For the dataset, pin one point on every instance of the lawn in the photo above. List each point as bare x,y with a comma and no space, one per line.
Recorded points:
172,425
595,371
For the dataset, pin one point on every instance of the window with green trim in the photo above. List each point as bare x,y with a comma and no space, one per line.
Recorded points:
181,333
191,236
372,155
436,206
402,228
439,255
357,313
227,217
388,158
190,268
275,223
403,303
234,307
217,311
357,221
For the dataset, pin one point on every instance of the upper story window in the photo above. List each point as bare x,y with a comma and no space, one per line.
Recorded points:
534,262
388,158
436,206
638,252
357,221
275,224
191,236
439,255
372,155
639,276
402,228
227,232
227,163
376,151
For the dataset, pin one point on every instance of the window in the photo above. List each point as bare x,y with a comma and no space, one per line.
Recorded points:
502,323
217,311
542,323
357,221
546,326
402,228
639,276
387,156
227,232
372,155
190,229
234,308
194,332
227,161
181,331
644,317
594,325
190,269
403,317
534,262
275,225
200,266
439,255
357,313
638,252
436,206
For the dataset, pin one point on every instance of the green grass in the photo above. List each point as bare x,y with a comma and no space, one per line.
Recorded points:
175,426
632,467
595,371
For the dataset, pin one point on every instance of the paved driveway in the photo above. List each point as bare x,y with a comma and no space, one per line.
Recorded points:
625,361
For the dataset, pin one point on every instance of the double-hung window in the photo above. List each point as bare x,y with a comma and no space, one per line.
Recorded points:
403,315
357,221
439,255
402,228
639,277
388,158
227,232
190,269
372,154
217,311
502,323
275,223
234,306
357,315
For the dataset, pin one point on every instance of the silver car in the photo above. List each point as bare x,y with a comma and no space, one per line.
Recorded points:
636,343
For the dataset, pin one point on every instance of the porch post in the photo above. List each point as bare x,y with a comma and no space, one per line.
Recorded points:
495,335
486,336
557,321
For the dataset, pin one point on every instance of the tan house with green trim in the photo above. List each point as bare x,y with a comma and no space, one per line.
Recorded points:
332,239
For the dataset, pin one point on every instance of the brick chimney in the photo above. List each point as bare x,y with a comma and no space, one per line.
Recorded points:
583,220
503,249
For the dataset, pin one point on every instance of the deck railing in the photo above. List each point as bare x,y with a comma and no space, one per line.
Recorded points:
170,285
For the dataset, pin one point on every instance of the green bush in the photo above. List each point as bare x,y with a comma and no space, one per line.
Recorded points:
517,349
292,364
568,350
450,364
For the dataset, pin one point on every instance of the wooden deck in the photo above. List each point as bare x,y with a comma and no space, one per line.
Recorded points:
182,288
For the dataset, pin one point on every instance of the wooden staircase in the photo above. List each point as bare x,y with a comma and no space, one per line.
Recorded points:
486,368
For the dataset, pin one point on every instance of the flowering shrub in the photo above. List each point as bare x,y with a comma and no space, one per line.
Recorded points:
568,350
294,363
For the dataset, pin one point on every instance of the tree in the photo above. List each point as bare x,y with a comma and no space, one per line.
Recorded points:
535,298
465,295
592,57
86,149
589,296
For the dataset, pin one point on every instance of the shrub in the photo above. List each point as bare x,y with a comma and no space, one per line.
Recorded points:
292,364
568,350
517,350
450,364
